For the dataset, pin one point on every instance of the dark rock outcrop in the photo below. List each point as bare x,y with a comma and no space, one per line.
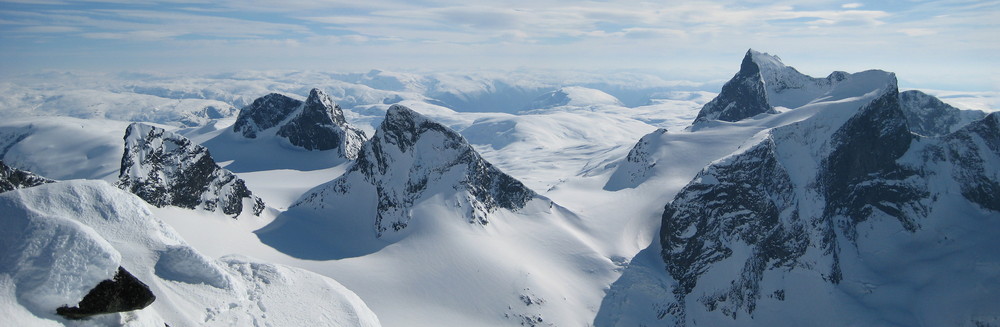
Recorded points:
316,124
122,293
264,113
164,168
12,178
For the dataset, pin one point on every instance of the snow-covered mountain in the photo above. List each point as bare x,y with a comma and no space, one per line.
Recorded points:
762,84
927,115
61,240
316,124
410,155
165,168
833,213
12,178
420,204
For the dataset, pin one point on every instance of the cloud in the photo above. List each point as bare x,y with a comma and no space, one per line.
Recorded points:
852,5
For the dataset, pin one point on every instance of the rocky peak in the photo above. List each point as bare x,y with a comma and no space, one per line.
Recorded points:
929,116
264,113
315,124
762,83
742,97
320,125
165,168
12,178
410,154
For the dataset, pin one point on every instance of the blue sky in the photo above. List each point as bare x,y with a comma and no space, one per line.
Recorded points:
929,44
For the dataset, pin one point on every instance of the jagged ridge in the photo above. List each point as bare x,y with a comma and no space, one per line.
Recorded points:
164,168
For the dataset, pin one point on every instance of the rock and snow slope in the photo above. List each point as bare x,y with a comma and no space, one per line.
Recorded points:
60,240
164,168
837,215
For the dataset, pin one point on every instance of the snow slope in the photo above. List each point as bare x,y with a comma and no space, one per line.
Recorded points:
61,239
63,147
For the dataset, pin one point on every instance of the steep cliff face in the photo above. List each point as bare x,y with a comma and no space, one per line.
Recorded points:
164,169
315,124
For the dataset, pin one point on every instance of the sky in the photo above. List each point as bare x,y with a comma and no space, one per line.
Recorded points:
943,44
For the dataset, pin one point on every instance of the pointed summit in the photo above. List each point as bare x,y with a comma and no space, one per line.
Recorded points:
316,124
764,82
320,125
744,96
411,157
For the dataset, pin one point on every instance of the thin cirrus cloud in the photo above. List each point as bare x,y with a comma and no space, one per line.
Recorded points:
441,33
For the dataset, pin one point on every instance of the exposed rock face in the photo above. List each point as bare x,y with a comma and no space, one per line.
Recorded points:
410,155
12,178
164,168
123,293
741,97
264,113
316,124
928,116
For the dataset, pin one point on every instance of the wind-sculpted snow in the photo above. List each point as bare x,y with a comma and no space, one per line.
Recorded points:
12,178
316,124
164,169
824,215
61,240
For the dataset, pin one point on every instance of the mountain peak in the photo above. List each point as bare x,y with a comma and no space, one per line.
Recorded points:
165,168
316,124
410,157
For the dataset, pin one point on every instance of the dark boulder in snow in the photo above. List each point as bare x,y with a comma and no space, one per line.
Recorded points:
316,124
164,168
122,293
12,178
